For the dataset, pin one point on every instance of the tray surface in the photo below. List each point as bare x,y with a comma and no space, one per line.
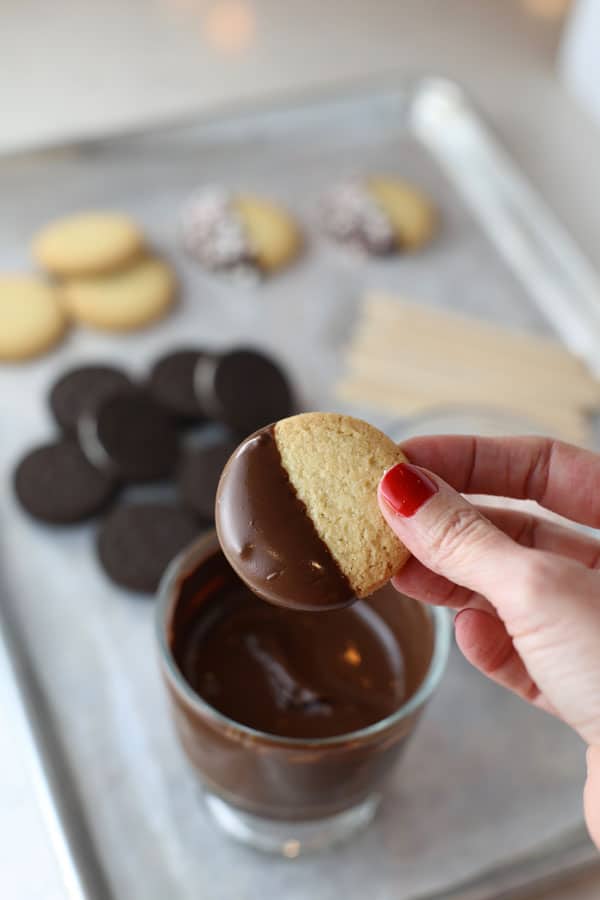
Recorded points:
486,778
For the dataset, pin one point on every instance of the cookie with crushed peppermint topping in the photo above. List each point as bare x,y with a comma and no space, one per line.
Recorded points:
378,215
238,233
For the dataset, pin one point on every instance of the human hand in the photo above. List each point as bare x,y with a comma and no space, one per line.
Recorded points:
527,589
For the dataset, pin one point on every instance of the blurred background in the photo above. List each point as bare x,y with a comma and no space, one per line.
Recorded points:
80,71
99,69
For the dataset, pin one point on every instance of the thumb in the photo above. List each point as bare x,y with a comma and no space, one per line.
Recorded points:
549,604
445,532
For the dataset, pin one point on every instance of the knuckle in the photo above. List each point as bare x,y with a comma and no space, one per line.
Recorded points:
460,529
538,578
540,573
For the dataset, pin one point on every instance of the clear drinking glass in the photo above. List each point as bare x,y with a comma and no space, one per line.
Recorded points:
289,795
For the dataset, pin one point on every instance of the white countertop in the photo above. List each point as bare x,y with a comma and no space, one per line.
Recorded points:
87,68
96,67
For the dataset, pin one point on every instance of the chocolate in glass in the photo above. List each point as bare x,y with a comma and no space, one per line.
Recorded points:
287,714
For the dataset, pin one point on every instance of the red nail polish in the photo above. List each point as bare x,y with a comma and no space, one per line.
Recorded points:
406,488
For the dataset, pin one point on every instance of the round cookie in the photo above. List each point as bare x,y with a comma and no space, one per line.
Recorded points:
274,237
379,215
244,389
81,389
137,542
411,214
124,300
198,477
87,243
239,233
297,513
56,483
31,317
171,383
130,435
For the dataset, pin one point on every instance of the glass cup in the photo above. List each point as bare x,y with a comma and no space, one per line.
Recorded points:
281,794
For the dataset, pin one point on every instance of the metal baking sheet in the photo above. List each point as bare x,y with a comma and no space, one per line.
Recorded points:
488,798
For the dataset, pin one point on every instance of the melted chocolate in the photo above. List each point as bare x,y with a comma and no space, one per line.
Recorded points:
283,672
296,675
268,536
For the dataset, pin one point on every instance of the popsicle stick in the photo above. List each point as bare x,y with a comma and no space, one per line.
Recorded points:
568,425
411,316
451,388
413,364
412,396
407,358
434,345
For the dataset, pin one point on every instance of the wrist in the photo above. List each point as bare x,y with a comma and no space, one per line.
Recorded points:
591,795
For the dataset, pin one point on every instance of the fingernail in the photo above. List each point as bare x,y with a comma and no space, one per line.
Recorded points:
405,489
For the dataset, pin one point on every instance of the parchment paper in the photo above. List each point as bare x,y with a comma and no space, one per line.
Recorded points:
485,777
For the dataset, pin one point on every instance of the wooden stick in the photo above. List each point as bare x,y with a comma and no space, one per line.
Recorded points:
567,424
435,346
415,367
410,316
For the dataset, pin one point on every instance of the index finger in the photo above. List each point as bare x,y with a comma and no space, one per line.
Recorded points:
559,476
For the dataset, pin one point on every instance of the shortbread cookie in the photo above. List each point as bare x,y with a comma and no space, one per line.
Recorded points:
87,243
31,318
379,215
238,232
274,236
297,513
124,300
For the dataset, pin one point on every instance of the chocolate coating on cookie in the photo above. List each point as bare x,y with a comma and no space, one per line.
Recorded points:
267,535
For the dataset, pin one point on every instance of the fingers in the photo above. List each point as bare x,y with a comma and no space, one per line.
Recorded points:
445,532
530,531
486,644
540,534
420,583
559,476
549,606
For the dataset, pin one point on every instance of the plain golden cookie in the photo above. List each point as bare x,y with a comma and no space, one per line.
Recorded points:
31,317
87,243
411,215
274,238
335,464
124,300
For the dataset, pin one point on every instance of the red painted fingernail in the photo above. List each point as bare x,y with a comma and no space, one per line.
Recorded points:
406,488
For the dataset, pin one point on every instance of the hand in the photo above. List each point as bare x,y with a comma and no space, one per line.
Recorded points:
527,590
